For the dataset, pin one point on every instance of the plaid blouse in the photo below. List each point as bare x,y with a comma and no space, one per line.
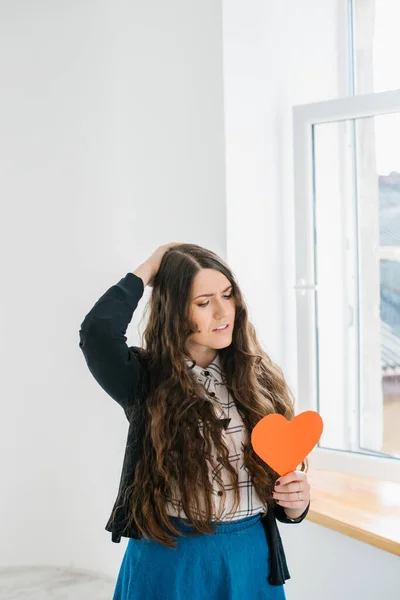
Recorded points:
234,435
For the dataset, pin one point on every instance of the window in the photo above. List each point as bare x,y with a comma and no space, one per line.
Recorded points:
347,212
376,43
347,193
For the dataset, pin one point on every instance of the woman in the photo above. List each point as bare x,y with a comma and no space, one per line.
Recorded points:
198,505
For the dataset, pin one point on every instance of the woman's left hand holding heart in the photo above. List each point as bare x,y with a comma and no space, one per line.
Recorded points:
292,492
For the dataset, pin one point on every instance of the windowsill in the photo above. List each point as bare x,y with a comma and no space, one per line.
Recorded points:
363,508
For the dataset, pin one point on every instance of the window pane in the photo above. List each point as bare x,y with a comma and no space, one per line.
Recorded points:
389,194
357,252
376,45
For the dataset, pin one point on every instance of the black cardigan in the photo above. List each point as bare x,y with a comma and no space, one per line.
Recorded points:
121,372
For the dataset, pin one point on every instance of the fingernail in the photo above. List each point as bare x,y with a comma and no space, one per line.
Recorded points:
278,483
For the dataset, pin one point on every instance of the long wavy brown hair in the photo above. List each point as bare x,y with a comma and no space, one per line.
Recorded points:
176,455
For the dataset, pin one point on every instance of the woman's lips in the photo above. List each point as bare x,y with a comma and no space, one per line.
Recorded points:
222,330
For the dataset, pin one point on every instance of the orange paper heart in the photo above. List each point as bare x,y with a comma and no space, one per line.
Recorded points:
284,444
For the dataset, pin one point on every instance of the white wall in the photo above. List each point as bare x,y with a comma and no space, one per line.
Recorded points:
112,142
276,55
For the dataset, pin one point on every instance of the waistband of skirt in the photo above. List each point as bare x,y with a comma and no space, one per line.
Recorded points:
221,526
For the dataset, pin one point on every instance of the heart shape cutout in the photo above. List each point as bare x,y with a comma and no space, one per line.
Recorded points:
284,444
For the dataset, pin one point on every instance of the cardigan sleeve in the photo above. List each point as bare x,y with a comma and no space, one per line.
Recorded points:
115,366
283,518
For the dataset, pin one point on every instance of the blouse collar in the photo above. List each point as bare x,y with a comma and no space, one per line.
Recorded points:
214,369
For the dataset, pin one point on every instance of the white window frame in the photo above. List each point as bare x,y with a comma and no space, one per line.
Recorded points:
304,118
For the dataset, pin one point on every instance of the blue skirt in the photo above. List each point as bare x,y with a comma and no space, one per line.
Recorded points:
230,564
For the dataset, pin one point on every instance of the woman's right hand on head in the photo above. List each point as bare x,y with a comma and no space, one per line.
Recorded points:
150,267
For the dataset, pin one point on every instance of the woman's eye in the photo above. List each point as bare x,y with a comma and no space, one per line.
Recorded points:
208,302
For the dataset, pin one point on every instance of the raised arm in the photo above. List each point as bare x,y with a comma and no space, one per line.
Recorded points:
112,363
115,366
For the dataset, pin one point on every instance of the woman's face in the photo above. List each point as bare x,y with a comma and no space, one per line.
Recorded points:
212,305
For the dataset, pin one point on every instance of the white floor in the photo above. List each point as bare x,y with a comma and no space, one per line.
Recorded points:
51,583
